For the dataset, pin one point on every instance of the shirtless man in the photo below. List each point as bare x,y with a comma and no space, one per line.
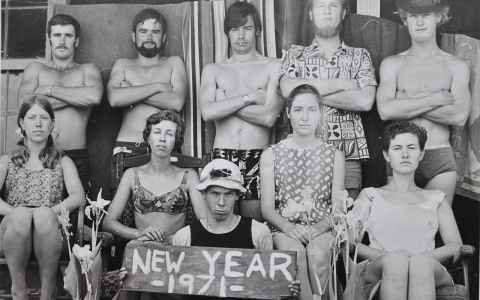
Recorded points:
345,78
144,85
240,96
71,88
430,87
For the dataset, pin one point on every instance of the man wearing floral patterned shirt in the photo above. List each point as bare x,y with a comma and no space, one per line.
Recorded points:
345,78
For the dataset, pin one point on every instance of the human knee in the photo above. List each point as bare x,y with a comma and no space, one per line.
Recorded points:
44,220
19,221
395,264
423,263
319,252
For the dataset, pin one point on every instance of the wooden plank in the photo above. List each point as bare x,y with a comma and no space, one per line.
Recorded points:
218,272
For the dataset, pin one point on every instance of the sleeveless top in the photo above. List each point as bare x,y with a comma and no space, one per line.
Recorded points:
239,237
393,227
144,201
25,187
303,181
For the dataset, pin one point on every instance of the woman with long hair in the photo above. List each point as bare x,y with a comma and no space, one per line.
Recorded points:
158,192
300,176
401,221
34,178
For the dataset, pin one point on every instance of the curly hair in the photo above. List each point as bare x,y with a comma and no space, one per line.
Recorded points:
50,155
399,127
166,115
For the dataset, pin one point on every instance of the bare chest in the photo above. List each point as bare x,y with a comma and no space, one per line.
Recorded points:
66,78
237,79
414,78
138,75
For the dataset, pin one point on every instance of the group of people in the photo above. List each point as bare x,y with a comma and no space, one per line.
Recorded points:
293,186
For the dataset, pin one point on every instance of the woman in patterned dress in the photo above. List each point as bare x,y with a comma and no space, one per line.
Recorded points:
34,179
300,176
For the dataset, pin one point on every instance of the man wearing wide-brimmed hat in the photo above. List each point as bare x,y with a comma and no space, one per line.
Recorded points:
221,184
428,86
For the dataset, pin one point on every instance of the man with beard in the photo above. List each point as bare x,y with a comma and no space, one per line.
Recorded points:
71,88
240,96
345,78
143,86
429,86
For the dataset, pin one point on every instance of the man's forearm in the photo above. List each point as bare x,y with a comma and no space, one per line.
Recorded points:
129,95
448,115
77,96
323,86
353,100
166,100
220,109
406,108
257,114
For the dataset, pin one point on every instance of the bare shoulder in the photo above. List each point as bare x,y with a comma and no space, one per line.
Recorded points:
67,162
122,63
210,69
455,64
89,67
35,67
393,61
175,60
190,174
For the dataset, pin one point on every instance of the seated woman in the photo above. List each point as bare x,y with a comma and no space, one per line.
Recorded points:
402,219
299,176
158,191
34,178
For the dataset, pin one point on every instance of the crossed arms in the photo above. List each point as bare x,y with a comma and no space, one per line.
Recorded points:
446,107
87,93
162,95
258,107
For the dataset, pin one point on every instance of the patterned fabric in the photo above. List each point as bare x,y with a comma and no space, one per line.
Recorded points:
25,187
303,181
145,201
344,129
249,163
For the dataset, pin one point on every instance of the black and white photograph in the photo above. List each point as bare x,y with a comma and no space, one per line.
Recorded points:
240,149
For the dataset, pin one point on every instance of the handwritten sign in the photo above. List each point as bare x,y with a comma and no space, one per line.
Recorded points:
220,272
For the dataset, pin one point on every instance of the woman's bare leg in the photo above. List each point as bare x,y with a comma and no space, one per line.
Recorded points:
282,241
47,245
425,274
17,246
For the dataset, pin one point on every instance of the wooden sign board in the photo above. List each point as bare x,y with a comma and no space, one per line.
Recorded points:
218,272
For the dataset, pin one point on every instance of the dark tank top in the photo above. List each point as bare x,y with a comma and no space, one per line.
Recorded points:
239,237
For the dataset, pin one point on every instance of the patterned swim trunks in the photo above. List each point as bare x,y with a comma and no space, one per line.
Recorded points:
249,163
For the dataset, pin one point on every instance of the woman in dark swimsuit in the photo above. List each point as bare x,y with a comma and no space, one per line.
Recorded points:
158,191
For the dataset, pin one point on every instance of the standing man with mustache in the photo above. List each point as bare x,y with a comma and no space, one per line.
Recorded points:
240,96
71,88
430,87
345,78
143,86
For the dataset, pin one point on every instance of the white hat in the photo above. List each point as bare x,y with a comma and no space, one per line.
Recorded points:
221,172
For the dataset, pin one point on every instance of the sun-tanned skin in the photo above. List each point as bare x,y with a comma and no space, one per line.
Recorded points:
428,86
144,85
240,96
71,88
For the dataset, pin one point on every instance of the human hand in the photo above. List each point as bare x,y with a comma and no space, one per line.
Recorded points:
298,232
258,96
152,234
294,288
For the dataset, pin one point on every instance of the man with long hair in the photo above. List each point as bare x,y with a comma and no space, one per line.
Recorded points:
240,95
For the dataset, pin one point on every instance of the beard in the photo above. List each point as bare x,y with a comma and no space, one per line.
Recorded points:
148,52
328,31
